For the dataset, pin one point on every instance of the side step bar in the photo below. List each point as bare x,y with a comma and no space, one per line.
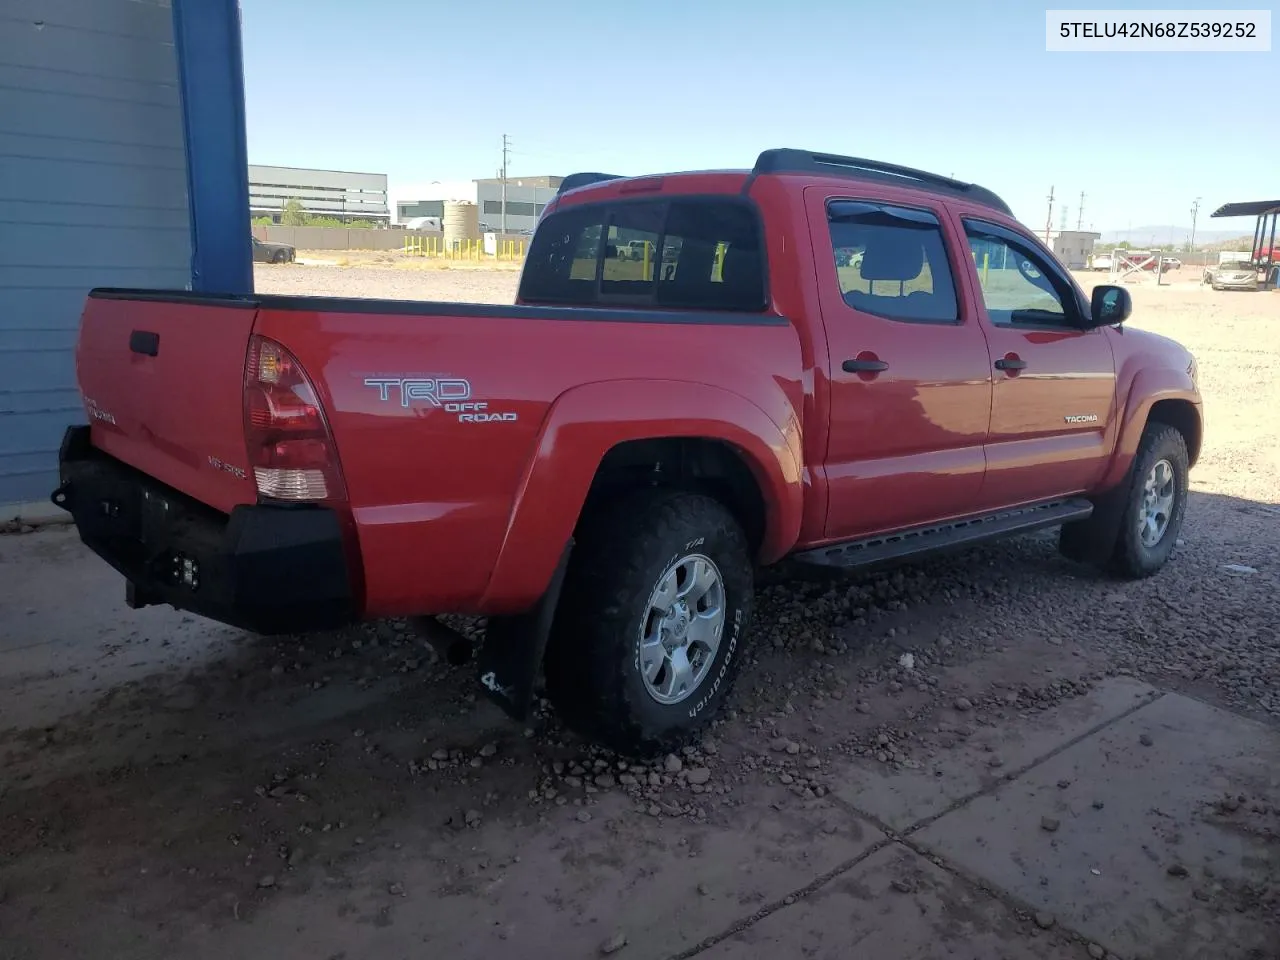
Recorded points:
920,541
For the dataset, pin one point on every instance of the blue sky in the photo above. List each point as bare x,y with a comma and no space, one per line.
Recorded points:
423,90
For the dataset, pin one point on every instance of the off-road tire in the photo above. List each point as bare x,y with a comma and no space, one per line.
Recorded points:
623,550
1133,559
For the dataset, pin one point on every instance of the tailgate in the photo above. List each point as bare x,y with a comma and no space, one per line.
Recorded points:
162,378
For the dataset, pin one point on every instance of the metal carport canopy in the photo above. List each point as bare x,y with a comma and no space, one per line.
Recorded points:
1249,208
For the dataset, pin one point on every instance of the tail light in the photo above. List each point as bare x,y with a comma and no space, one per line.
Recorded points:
291,448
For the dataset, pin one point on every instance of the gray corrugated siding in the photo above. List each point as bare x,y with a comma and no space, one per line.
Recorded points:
92,193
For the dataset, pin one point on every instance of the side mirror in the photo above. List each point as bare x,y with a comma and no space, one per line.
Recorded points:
1109,305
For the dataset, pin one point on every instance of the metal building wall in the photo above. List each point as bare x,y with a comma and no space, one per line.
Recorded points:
122,163
92,192
328,193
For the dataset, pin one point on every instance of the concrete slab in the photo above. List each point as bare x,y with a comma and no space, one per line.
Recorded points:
861,914
666,884
67,637
1136,852
903,798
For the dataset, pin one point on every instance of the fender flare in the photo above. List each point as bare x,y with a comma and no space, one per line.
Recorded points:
1149,386
585,422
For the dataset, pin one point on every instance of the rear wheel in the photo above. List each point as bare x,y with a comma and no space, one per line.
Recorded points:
649,633
1156,504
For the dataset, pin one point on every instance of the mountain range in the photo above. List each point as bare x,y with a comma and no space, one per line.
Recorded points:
1165,235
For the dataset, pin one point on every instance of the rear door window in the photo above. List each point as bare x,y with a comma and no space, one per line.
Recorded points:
681,253
892,262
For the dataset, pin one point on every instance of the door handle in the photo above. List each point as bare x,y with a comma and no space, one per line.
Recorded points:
1011,363
864,366
145,342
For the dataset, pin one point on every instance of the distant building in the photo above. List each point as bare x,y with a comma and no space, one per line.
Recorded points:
1073,247
322,193
527,197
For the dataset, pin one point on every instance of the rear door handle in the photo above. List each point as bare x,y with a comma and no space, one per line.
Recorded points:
1011,363
864,366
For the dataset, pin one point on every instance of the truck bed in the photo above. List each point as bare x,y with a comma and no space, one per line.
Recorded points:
437,410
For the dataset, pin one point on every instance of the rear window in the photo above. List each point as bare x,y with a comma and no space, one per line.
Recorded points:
692,253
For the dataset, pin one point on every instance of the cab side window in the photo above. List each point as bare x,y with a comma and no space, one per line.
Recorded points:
1018,288
892,262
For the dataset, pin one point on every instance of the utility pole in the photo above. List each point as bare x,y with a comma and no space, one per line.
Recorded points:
1195,209
506,148
1048,220
1080,212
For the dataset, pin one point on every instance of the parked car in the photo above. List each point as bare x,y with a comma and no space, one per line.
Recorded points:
848,258
1231,275
603,487
635,250
264,251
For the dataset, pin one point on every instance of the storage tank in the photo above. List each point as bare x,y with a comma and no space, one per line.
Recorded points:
461,222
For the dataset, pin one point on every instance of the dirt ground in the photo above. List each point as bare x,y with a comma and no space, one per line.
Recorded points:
996,755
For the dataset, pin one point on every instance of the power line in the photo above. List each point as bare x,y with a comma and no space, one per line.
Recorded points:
1195,209
1080,212
1048,220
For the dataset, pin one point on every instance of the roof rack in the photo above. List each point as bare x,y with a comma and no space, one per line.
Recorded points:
787,160
575,180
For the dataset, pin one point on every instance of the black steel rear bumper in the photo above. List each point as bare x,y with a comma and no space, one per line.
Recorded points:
268,569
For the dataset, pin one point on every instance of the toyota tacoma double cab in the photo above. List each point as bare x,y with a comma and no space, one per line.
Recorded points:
834,360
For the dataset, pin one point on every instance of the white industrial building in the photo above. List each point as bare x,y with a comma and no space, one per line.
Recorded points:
322,193
1073,247
526,199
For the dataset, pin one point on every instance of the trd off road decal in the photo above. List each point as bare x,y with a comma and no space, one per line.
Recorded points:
452,395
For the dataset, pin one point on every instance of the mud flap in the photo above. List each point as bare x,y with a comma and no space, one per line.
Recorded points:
513,646
1093,541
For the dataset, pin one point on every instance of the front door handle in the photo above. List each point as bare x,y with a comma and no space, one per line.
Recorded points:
1011,363
864,366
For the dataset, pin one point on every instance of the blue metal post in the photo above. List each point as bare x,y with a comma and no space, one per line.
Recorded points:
211,76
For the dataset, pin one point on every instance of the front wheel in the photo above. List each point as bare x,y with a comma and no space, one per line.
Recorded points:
1156,505
656,603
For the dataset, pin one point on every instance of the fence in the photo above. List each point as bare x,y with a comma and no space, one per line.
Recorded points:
435,247
331,238
510,246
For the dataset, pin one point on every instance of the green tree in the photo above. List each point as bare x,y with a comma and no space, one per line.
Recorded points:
293,215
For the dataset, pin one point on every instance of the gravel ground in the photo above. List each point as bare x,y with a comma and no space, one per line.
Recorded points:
352,772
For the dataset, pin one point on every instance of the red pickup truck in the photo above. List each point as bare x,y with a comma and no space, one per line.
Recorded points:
840,361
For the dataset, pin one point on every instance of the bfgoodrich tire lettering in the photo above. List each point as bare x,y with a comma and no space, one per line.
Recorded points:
1136,557
594,672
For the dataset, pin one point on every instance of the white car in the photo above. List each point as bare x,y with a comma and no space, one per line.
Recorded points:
1232,275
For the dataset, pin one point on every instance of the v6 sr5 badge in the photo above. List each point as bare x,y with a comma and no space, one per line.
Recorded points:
452,395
